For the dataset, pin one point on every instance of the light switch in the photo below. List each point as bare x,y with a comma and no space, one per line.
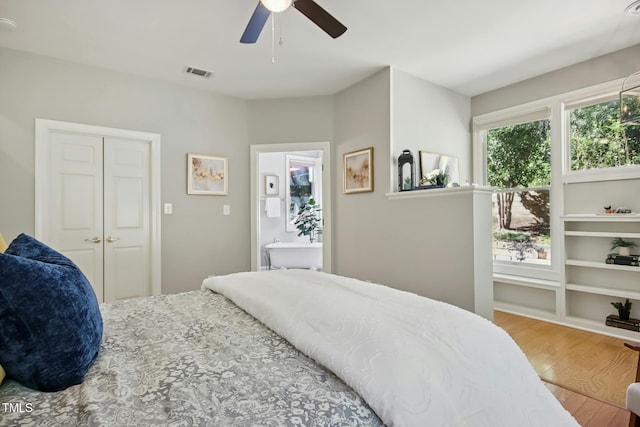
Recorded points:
226,210
168,208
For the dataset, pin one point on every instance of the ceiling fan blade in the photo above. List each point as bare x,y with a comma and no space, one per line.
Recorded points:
256,24
320,17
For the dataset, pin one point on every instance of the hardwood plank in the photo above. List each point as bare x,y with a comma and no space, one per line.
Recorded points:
592,364
587,372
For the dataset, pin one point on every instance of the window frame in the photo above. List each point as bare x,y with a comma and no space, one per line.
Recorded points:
591,97
561,174
538,110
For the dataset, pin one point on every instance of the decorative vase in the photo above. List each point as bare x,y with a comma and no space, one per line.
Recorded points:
623,314
624,251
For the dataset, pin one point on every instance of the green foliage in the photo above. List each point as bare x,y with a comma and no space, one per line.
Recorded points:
622,307
598,140
519,155
619,242
308,221
511,236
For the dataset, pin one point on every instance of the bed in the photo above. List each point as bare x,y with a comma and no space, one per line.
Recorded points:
294,347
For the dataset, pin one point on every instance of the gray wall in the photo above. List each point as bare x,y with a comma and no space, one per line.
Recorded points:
616,65
197,239
411,244
428,117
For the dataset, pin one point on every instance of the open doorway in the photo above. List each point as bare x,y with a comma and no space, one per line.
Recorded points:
285,180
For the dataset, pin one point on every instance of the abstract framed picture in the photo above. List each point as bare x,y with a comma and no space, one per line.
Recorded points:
207,175
358,171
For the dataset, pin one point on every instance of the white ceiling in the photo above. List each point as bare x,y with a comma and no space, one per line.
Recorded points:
470,46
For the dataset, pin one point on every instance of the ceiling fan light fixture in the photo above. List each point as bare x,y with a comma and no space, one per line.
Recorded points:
276,5
633,9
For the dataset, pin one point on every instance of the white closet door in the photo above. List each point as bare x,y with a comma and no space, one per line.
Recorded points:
75,202
127,252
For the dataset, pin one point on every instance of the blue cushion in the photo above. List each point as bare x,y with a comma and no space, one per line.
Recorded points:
50,321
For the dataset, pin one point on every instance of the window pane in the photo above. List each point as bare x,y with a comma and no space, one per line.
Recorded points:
527,240
598,140
519,158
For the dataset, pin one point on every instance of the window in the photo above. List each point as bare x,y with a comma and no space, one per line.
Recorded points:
598,140
303,183
519,164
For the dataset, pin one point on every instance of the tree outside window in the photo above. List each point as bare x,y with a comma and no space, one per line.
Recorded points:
519,163
598,140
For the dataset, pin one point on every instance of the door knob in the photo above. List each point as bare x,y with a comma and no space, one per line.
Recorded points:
112,239
95,239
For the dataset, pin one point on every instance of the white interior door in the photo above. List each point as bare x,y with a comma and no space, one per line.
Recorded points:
76,203
97,202
127,271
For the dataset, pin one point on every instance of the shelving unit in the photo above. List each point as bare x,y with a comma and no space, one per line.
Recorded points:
590,284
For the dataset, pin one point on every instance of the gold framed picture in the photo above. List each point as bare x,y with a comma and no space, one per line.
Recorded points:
358,171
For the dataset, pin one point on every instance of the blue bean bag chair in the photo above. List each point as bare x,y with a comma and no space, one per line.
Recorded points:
50,321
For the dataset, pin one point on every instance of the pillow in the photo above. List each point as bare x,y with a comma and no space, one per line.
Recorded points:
51,322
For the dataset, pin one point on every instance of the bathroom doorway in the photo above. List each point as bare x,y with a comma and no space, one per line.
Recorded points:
284,179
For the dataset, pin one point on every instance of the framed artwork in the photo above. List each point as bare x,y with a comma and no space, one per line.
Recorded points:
358,171
271,187
430,161
207,175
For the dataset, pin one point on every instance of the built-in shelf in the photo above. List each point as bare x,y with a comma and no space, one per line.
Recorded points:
581,297
602,234
621,293
601,218
438,192
600,327
603,265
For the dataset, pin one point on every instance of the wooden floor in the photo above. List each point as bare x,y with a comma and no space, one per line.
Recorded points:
588,373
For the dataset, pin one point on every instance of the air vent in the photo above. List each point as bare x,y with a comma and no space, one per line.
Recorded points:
198,72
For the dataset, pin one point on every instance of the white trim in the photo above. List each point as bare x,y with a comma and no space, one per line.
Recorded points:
44,127
327,187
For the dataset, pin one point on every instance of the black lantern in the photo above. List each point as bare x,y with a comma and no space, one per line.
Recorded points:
406,171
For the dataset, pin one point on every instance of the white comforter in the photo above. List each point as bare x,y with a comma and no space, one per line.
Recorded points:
416,361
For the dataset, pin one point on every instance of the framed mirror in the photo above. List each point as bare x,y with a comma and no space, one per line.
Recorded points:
303,182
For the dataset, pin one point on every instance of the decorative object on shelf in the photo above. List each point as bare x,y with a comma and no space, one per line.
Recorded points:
630,260
623,211
358,171
624,246
271,187
207,175
608,210
624,310
629,324
437,177
308,221
431,161
630,101
406,171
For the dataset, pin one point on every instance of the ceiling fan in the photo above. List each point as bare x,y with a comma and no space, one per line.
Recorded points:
308,8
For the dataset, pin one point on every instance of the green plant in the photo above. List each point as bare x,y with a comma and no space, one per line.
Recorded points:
511,236
624,310
619,242
308,221
626,307
438,177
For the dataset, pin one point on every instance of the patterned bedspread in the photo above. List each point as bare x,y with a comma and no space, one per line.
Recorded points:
191,359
